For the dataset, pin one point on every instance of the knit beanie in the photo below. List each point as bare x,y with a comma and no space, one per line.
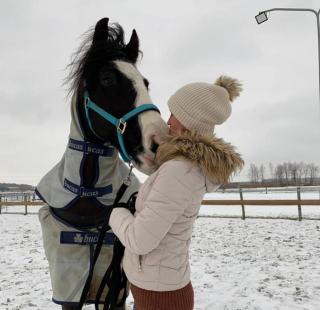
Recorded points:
201,106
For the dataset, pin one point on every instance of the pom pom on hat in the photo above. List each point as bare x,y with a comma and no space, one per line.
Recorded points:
232,86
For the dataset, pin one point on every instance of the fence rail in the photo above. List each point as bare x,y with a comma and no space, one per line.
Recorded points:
256,202
263,202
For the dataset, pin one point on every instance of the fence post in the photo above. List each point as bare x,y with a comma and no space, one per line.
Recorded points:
242,205
0,203
25,206
299,205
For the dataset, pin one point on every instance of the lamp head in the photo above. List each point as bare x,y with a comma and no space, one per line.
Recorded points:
261,17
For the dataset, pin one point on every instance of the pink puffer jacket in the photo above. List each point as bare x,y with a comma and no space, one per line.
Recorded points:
157,237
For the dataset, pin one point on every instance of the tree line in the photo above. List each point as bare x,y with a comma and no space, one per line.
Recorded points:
7,187
285,174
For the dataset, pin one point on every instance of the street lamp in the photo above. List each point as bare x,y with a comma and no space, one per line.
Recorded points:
262,17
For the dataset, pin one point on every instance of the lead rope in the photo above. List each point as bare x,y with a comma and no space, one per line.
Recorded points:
115,277
125,184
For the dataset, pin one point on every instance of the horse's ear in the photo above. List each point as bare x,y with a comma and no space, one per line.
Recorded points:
101,30
132,48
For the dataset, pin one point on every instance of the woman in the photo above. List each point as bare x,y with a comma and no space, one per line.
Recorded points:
192,162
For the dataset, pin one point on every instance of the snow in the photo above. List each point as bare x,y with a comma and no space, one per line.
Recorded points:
256,264
253,264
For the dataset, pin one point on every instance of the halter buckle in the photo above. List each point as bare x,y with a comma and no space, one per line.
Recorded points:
122,125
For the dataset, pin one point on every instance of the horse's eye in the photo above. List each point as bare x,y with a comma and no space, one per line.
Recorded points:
146,82
107,79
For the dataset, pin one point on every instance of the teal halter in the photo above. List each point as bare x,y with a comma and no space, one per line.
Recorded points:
119,123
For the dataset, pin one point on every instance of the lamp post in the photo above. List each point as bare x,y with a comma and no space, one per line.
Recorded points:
262,17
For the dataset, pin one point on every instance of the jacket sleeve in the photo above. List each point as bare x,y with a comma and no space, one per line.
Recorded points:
170,195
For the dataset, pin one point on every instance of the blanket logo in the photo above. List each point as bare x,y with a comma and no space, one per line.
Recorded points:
84,238
78,238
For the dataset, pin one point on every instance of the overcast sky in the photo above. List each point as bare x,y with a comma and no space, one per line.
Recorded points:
276,119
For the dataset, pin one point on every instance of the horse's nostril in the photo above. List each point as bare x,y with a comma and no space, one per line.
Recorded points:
138,149
154,147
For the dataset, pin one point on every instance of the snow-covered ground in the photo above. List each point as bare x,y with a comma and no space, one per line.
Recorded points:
256,264
252,264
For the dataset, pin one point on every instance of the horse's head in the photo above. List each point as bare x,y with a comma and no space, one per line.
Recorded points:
107,66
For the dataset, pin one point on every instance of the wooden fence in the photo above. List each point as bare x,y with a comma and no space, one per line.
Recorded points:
242,202
260,202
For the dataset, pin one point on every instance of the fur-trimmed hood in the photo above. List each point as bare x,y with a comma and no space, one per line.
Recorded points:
217,159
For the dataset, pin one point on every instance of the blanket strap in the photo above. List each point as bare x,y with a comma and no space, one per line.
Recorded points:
115,277
97,251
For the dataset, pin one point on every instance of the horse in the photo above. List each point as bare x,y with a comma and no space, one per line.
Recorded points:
111,114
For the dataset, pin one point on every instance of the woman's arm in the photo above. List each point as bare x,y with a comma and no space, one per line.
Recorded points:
170,195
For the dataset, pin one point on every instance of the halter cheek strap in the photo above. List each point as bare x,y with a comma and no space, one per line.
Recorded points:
119,123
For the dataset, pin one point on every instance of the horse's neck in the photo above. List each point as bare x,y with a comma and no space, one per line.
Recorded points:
85,206
89,169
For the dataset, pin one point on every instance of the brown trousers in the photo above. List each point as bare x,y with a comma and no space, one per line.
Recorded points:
182,299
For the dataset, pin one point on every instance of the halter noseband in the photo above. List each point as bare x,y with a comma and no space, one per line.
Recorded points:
119,123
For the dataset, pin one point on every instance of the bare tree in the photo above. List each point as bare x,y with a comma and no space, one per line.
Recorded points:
314,172
253,173
261,173
279,174
293,170
286,172
300,169
271,169
306,173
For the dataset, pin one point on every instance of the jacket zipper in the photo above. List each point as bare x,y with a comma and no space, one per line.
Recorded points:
140,260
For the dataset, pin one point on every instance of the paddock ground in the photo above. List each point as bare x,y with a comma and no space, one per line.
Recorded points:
253,264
